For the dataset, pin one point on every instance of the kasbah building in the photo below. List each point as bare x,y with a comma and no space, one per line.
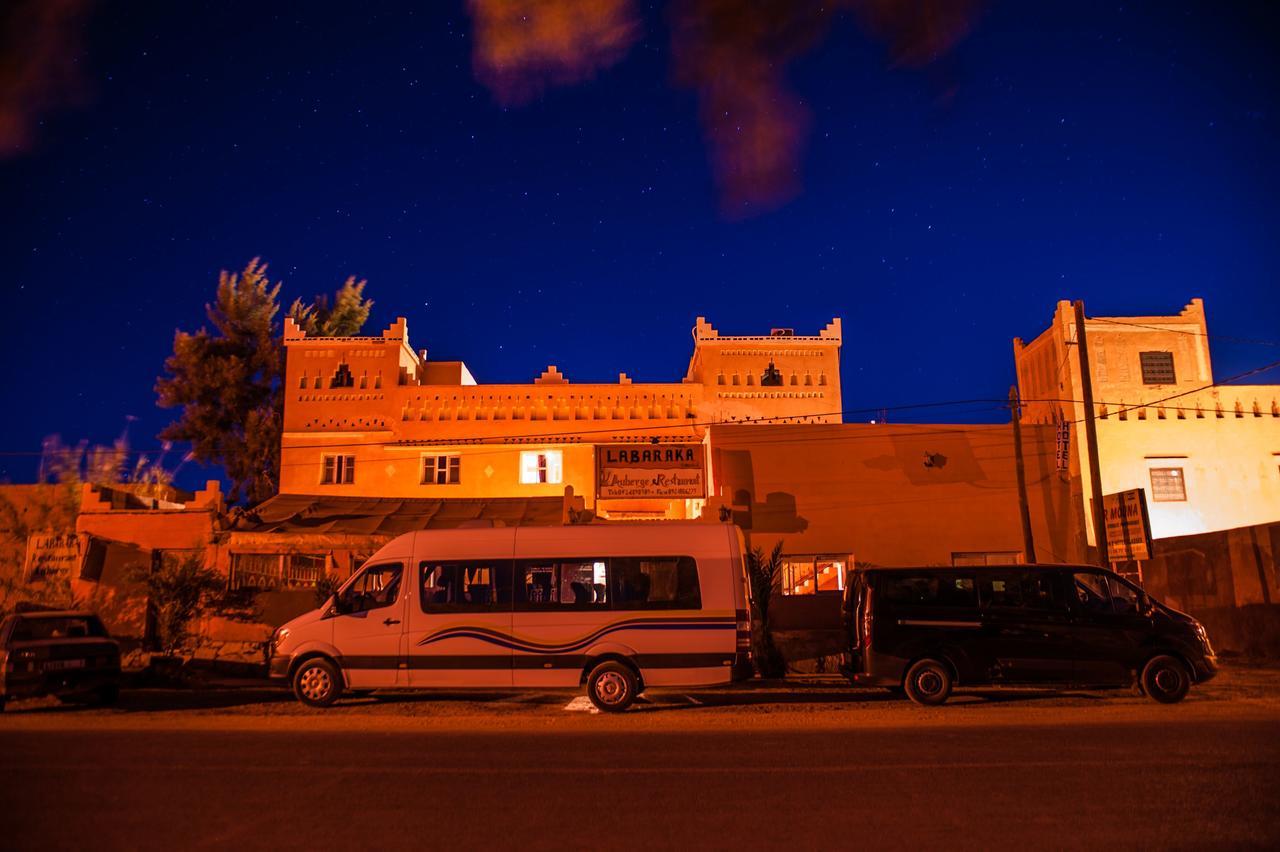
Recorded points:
379,439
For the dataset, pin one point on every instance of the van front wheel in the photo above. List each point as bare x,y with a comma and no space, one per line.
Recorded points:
612,686
928,682
317,683
1165,679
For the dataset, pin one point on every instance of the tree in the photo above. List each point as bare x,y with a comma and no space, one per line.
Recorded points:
228,381
762,573
348,315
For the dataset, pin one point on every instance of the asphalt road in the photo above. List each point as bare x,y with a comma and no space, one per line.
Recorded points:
1193,782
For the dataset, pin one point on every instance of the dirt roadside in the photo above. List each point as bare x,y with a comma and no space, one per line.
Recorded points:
1241,692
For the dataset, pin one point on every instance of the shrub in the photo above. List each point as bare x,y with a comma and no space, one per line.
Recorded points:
762,572
179,592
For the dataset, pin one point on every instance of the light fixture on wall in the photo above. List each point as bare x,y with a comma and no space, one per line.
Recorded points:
934,459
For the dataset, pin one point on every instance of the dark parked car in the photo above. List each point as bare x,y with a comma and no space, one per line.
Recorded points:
923,630
67,654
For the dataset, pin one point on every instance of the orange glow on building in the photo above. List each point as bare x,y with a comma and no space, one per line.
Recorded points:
370,416
1208,458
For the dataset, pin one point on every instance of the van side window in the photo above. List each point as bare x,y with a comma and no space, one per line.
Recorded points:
947,590
572,583
1100,593
1030,590
654,582
377,586
475,584
1092,594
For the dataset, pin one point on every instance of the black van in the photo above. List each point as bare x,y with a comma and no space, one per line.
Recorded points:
923,630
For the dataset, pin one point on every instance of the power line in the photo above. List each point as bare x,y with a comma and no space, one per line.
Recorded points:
1204,334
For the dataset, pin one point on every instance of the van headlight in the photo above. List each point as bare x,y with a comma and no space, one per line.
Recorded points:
277,638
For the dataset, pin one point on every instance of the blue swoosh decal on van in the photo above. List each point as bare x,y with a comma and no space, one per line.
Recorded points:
507,640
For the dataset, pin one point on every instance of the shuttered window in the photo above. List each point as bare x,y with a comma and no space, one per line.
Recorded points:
1168,485
1157,368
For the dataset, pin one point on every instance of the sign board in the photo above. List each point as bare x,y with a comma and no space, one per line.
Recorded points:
51,555
651,471
1128,529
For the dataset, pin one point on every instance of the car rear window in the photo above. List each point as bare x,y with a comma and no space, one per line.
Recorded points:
57,627
948,590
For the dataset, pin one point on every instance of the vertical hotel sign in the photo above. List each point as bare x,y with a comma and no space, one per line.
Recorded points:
1128,530
657,471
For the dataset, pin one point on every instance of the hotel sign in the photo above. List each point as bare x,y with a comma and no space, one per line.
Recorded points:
51,555
1128,530
651,471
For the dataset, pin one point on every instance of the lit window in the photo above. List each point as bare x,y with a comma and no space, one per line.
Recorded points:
338,470
1157,368
441,470
1168,485
807,575
541,467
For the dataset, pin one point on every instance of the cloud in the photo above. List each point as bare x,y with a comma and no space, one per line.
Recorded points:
40,65
734,54
522,47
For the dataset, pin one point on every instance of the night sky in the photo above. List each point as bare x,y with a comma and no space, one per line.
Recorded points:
1120,153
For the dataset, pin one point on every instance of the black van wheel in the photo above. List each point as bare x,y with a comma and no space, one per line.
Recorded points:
317,683
612,686
928,682
1165,679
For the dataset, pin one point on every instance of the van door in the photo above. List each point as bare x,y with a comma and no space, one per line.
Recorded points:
1110,629
369,624
561,606
1027,631
460,623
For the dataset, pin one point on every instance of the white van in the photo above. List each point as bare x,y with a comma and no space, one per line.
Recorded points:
616,607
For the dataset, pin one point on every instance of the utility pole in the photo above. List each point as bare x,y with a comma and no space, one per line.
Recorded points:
1091,437
1028,540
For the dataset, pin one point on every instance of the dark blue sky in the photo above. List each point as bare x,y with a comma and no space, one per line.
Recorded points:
1120,153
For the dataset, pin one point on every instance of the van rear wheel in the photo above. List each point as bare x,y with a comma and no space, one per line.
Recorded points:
928,682
1165,679
317,683
612,686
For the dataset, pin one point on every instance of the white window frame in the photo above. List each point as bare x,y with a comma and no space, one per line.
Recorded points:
442,469
541,467
337,470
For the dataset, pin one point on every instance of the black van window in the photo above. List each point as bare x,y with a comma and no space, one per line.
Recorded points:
654,582
1021,591
948,590
1124,598
1100,593
1092,594
478,584
577,583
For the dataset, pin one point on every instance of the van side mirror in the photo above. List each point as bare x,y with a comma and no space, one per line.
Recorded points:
336,606
1145,605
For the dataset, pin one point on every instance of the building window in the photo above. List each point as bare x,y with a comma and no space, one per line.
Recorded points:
808,575
342,378
441,470
994,557
1157,368
536,468
338,470
1168,485
276,570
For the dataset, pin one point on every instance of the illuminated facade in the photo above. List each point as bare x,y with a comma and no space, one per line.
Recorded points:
1207,457
373,417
